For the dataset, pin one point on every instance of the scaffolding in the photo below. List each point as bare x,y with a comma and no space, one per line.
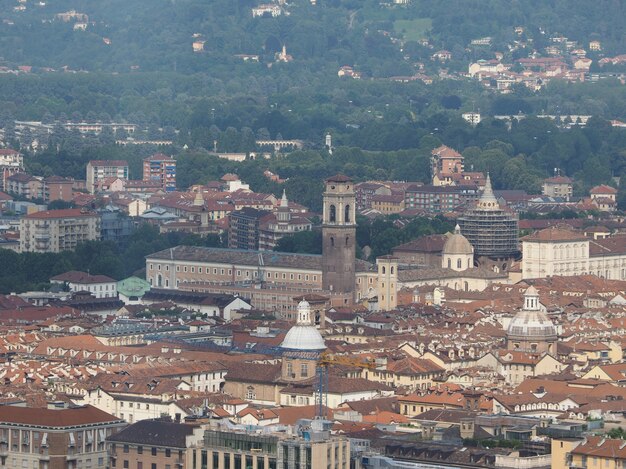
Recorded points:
492,233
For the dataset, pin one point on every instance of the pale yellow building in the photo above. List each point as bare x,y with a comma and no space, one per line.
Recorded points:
58,230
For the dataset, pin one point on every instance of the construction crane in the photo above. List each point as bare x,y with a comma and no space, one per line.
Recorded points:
324,362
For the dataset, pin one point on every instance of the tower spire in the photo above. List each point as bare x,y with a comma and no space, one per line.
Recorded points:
488,200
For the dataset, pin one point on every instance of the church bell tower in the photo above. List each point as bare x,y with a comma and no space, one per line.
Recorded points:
339,233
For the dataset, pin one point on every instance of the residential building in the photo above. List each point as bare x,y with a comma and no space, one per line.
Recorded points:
99,170
445,162
115,226
309,445
604,197
160,168
439,199
99,286
471,117
282,222
364,191
388,204
11,162
57,188
593,451
558,186
54,437
267,9
243,228
58,230
155,444
24,185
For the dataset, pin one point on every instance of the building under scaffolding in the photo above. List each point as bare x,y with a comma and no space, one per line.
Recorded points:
492,231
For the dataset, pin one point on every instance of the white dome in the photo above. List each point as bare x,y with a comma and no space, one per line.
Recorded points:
531,325
303,338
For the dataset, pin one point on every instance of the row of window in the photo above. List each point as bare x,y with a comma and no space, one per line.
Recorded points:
238,273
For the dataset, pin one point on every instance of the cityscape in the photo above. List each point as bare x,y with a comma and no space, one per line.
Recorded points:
312,234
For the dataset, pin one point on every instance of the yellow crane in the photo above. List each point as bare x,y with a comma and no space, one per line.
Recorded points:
324,362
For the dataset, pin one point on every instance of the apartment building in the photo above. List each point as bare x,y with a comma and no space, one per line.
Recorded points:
157,443
57,188
310,446
24,185
98,170
58,230
11,162
160,168
558,186
55,437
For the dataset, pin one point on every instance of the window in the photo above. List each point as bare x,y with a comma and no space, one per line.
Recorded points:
126,448
347,214
126,463
168,452
139,449
304,370
333,214
154,451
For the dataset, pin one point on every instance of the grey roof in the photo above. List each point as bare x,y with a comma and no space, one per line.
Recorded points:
248,258
437,273
158,433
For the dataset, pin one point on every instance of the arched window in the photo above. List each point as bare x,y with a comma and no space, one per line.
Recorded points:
347,240
384,270
332,241
392,270
466,286
333,214
458,263
449,263
159,280
347,214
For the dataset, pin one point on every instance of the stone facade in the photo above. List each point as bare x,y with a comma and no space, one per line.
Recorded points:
339,235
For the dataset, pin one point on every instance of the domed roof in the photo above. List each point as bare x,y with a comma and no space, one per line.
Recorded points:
531,326
531,323
457,244
304,337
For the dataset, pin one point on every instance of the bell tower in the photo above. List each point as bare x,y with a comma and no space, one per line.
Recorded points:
338,235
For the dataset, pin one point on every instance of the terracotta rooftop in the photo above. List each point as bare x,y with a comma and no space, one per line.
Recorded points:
55,418
555,233
64,213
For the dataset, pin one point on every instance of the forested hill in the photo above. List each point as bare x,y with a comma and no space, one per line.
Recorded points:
157,35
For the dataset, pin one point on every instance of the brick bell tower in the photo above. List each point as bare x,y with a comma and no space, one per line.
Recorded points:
339,235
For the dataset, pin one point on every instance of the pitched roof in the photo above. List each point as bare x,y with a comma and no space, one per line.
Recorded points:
64,213
75,276
339,178
57,418
555,233
603,189
250,258
155,433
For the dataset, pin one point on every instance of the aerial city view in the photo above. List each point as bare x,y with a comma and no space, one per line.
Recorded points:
312,234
